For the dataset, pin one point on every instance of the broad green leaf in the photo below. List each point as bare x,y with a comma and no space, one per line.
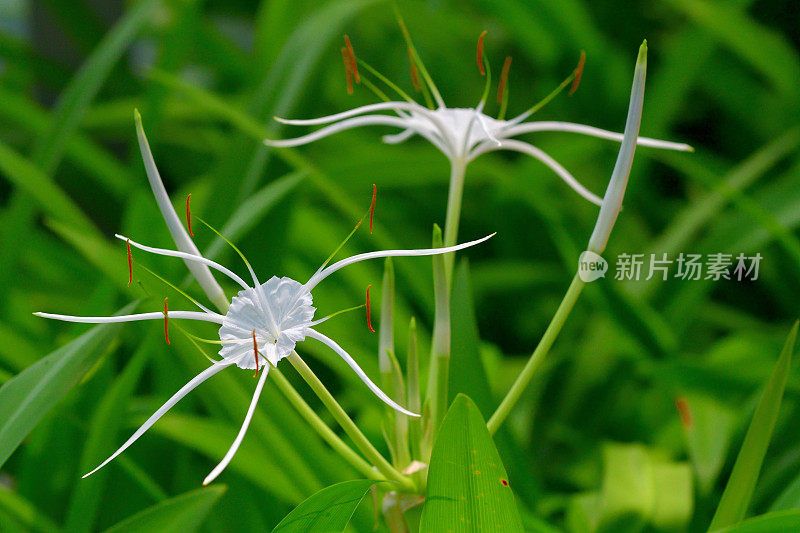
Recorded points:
26,398
780,522
25,512
328,510
708,436
789,498
104,427
627,496
468,487
181,514
766,50
467,374
736,497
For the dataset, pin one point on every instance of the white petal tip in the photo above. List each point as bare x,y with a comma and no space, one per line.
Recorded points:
688,148
120,237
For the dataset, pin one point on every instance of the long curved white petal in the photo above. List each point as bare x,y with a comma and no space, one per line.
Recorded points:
530,127
186,389
182,240
371,108
185,315
370,120
325,272
555,166
357,369
240,436
397,138
187,257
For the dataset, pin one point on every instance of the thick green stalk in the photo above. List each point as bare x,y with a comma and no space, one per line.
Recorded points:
440,348
536,359
344,420
457,170
327,434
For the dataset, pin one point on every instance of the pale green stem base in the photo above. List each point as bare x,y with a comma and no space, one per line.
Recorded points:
344,420
327,434
538,355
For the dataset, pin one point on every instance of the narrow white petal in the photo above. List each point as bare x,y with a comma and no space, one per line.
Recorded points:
176,229
371,108
186,389
238,441
197,258
370,120
185,315
564,174
397,138
612,201
357,369
530,127
324,273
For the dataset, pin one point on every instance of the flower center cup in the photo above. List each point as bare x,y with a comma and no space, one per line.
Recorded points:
279,311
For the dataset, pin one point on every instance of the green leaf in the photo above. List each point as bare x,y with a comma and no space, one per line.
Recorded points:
467,484
181,514
736,498
26,398
467,373
779,522
328,510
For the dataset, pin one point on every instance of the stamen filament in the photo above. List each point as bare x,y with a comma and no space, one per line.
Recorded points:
173,287
415,56
385,80
189,215
166,321
372,206
130,262
369,311
546,100
578,74
326,318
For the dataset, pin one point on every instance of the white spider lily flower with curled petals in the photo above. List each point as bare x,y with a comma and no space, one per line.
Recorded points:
261,325
462,134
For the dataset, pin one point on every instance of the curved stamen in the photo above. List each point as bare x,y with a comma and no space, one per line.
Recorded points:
369,311
525,148
571,127
190,257
578,74
130,263
314,334
240,436
322,274
184,315
186,389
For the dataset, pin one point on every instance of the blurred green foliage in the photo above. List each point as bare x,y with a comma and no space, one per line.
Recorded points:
724,75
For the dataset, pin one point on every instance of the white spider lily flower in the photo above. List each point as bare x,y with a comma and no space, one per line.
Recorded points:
262,324
462,134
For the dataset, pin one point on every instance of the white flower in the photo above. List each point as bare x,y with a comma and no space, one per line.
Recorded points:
263,322
462,134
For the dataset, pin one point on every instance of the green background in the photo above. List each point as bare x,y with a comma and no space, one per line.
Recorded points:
207,77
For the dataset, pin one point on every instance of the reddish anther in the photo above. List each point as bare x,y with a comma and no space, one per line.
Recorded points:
504,482
578,73
255,352
369,311
684,412
501,87
352,55
189,214
480,53
130,263
347,70
414,72
372,206
166,321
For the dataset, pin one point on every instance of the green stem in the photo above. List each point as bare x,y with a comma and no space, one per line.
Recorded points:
321,427
538,355
339,414
457,171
